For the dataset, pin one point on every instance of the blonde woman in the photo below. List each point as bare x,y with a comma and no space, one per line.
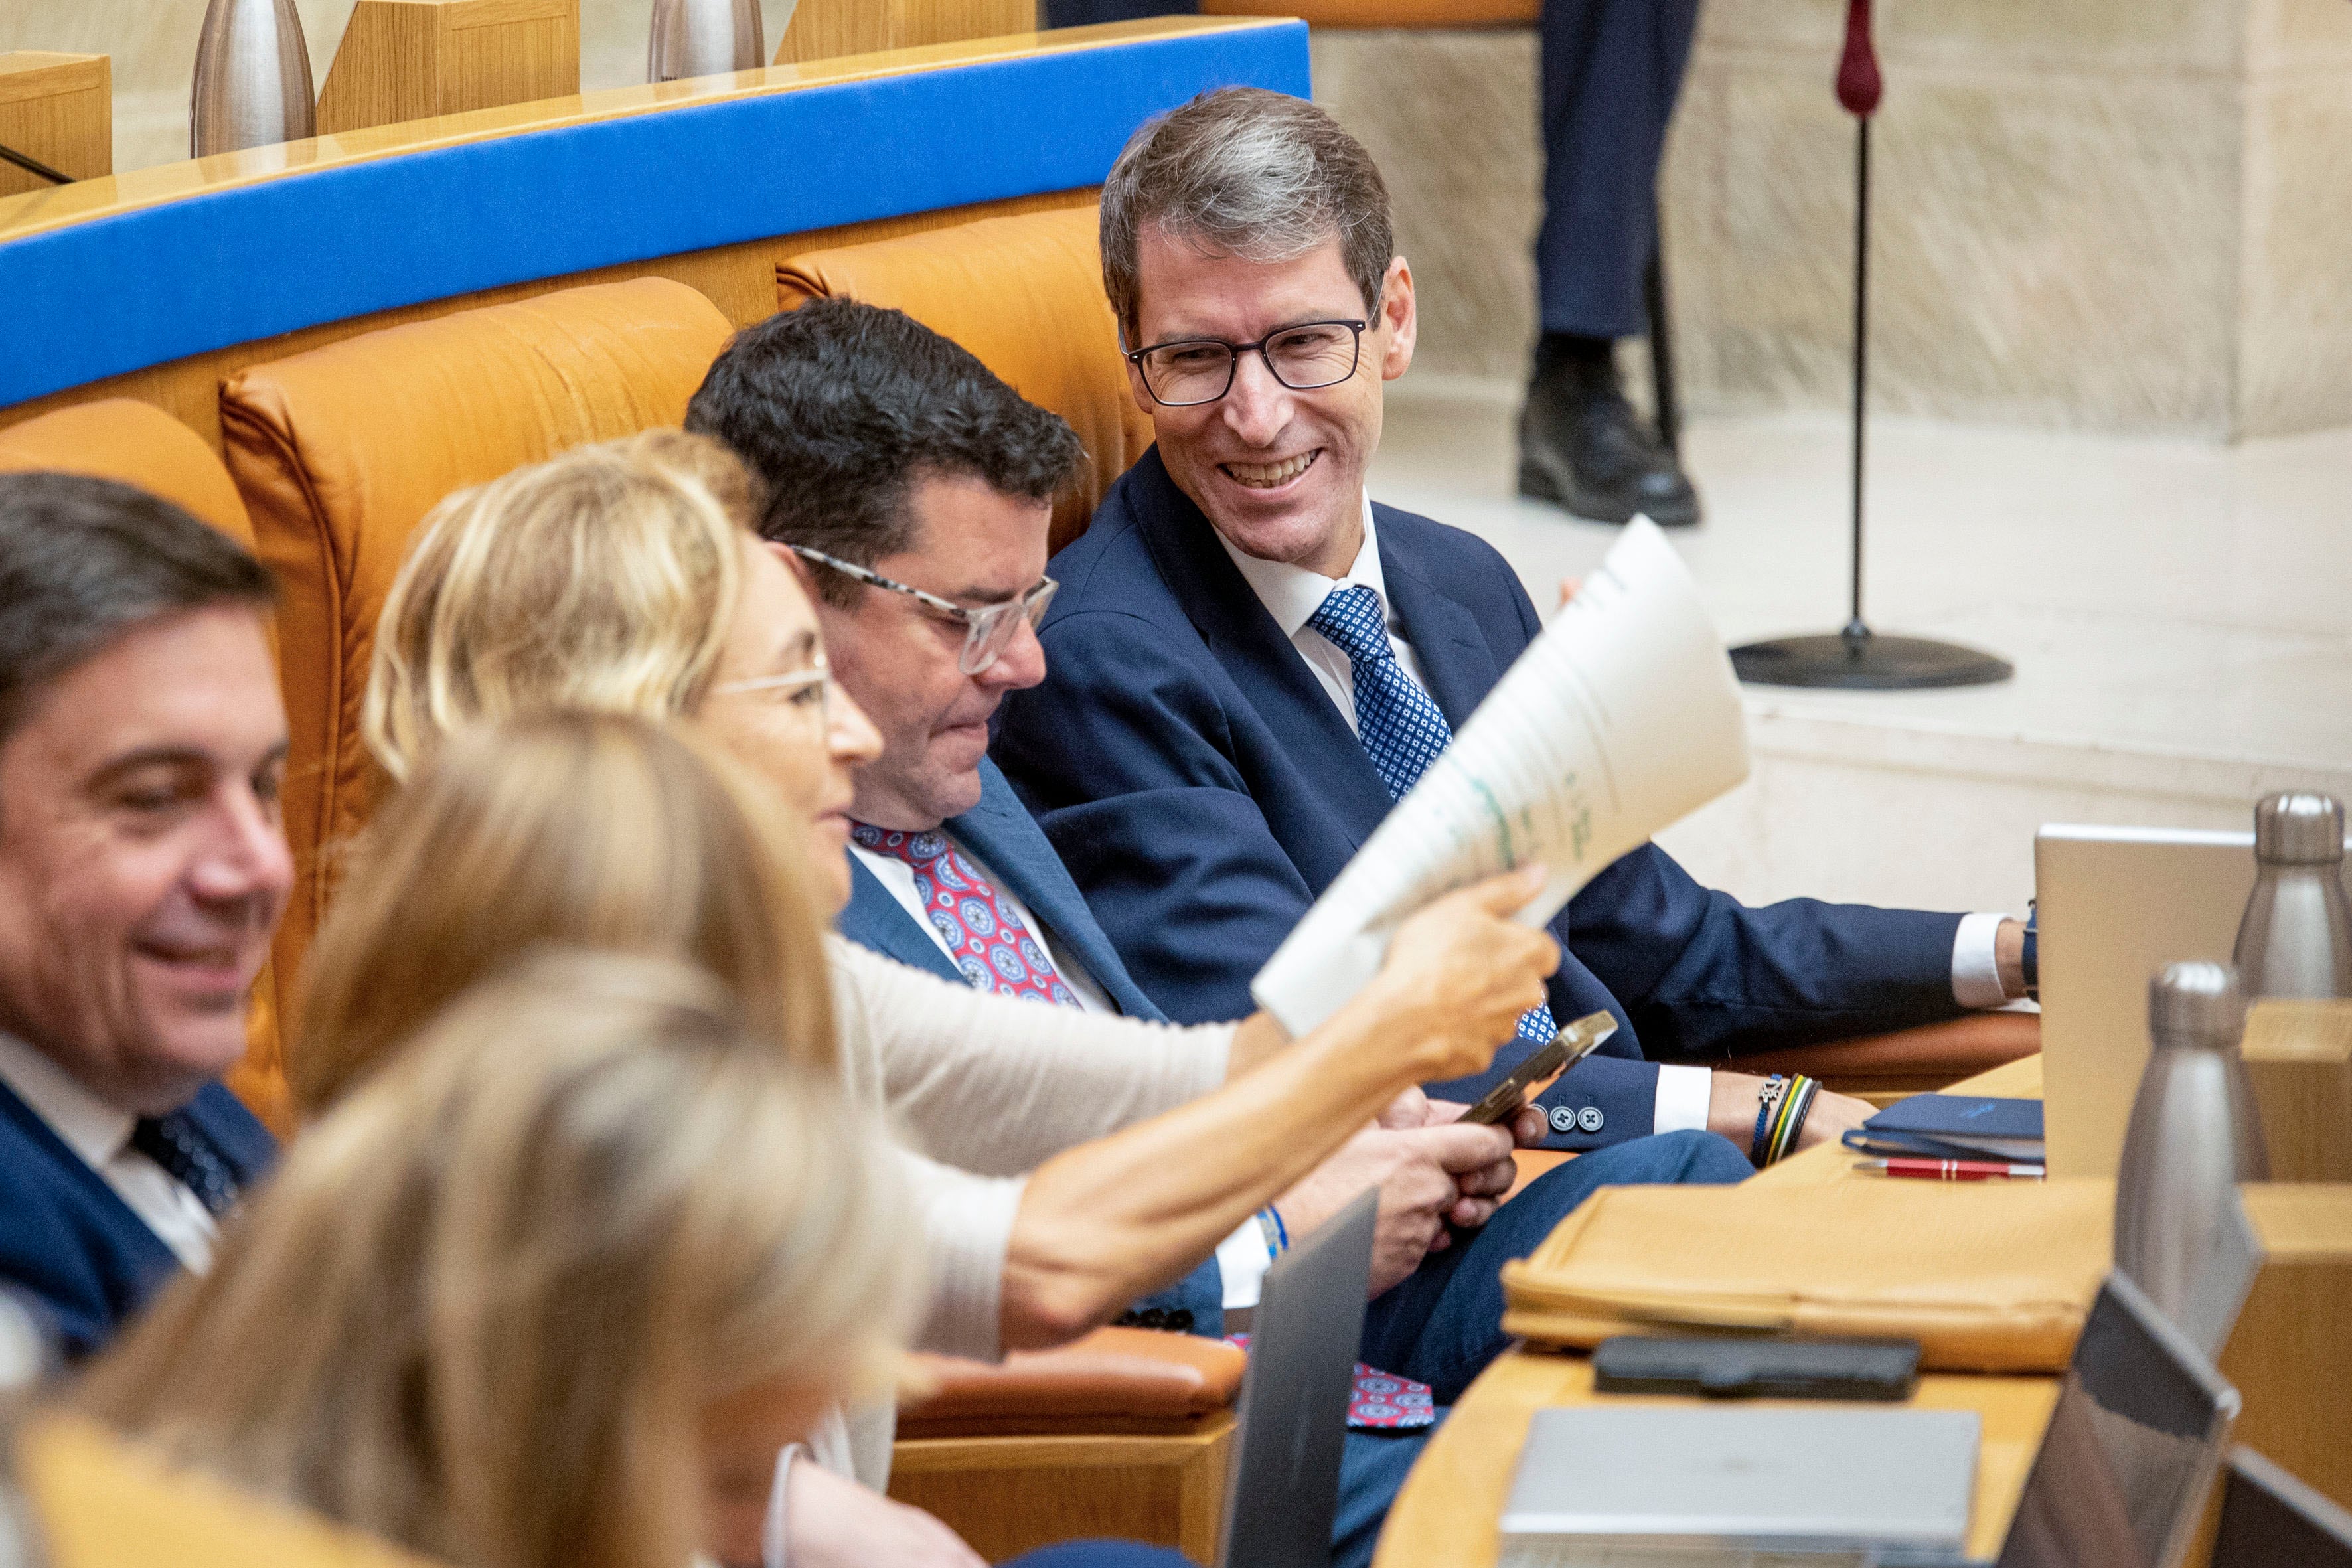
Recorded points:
625,577
628,835
552,1291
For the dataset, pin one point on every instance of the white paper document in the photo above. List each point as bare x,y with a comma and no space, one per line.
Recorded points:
1621,717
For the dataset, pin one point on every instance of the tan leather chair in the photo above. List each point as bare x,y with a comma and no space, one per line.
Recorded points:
340,452
1127,1432
1024,294
139,444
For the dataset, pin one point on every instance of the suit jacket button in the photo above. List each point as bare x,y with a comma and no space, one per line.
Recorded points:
1563,1119
1590,1119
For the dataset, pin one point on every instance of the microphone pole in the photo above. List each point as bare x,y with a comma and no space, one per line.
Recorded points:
1858,658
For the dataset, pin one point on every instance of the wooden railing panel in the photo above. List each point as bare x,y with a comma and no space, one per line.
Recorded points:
56,110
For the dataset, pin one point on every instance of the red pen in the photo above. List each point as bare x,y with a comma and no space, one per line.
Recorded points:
1952,1169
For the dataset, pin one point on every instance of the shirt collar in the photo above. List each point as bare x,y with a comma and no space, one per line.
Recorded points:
1292,594
89,1126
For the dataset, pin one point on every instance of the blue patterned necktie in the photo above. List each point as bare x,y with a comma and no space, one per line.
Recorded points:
172,1141
1401,726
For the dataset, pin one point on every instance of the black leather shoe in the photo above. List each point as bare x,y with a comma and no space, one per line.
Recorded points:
1582,445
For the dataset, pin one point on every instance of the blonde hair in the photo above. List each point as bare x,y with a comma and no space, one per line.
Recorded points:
480,1309
590,830
605,579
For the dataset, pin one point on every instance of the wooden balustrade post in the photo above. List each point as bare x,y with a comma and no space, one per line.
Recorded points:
2299,1055
56,110
822,30
411,59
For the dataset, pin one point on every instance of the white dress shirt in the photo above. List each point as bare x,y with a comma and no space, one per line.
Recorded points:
100,1134
1242,1257
1292,594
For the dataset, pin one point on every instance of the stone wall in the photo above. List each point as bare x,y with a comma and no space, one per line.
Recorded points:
2116,215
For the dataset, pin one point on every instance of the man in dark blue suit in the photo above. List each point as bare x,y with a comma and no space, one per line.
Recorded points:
918,487
143,870
1238,610
1611,70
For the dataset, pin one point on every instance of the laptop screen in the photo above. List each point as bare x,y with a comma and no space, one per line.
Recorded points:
1285,1482
2270,1520
2132,1446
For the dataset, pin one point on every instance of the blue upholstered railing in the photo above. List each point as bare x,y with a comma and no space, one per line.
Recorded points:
123,291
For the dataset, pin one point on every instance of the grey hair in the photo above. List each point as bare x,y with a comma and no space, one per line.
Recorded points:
1260,175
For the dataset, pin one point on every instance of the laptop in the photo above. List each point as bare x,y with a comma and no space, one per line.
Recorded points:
1603,1484
2116,905
1282,1491
2132,1448
2270,1520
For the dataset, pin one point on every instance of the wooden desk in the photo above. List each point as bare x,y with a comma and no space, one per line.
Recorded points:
1445,1515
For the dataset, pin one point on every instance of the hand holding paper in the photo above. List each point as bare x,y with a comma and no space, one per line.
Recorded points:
1622,716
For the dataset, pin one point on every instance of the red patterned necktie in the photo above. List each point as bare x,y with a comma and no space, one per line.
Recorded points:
1380,1400
997,952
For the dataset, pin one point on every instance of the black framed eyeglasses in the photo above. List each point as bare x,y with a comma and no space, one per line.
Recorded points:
1188,372
988,630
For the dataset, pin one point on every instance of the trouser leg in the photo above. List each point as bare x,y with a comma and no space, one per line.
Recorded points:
1612,71
1078,13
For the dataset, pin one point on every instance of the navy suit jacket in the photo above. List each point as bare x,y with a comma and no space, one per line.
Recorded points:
71,1245
1203,789
1000,831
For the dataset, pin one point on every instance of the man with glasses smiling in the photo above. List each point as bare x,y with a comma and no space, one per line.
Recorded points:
1252,661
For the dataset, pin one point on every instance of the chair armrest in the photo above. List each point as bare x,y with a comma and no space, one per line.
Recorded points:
1931,1057
1111,1380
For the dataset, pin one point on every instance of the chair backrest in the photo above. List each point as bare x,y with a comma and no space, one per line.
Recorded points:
139,444
1024,294
340,452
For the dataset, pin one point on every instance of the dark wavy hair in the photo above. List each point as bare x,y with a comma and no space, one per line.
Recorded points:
840,407
85,560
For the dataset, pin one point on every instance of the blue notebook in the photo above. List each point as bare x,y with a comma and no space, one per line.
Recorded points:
1954,1127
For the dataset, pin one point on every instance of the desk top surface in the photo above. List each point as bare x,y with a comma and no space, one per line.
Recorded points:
1445,1516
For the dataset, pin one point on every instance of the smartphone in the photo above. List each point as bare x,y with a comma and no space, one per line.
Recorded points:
1568,1048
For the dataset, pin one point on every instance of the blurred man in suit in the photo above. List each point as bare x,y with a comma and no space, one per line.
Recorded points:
1249,661
917,488
143,870
1611,70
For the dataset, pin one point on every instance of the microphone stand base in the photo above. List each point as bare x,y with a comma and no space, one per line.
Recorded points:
1859,660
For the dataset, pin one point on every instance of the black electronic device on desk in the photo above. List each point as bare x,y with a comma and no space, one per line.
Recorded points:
1743,1367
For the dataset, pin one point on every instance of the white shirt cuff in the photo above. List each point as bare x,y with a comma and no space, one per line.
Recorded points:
1976,973
1243,1259
1684,1096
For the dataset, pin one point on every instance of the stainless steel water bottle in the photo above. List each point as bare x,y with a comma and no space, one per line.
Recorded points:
2194,1135
252,86
704,37
2296,937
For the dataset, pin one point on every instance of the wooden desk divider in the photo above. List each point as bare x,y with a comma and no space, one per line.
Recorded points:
2291,1354
2299,1055
412,60
821,30
56,110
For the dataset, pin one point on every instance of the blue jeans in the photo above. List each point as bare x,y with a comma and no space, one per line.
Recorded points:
1443,1325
